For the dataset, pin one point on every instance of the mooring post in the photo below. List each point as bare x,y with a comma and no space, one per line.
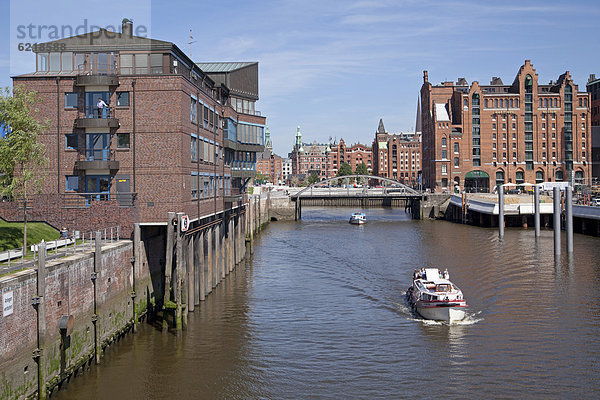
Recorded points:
217,257
569,217
168,269
198,265
179,278
556,216
536,207
501,211
96,282
209,259
203,265
136,266
191,274
39,303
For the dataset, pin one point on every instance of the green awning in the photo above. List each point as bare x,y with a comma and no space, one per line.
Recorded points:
477,174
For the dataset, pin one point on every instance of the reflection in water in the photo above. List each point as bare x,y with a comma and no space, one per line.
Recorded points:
320,312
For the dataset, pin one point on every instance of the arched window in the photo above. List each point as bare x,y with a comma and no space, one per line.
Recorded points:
499,178
539,176
568,89
495,103
579,177
558,175
486,103
519,178
512,103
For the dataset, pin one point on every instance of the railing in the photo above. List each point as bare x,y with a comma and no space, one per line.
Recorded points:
83,200
99,155
92,111
96,69
75,242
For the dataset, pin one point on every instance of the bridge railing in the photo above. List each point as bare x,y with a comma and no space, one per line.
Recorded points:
331,187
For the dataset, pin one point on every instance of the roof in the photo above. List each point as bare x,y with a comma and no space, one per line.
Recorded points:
441,112
216,67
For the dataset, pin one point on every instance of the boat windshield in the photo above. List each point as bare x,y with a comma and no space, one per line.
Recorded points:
444,287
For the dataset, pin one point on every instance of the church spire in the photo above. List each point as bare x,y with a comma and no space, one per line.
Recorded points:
299,140
418,127
381,129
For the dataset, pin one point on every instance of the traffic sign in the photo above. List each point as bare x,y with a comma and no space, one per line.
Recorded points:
185,223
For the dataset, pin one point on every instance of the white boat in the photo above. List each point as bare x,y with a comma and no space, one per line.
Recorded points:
358,218
433,296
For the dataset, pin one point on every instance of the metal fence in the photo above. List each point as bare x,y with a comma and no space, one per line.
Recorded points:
76,242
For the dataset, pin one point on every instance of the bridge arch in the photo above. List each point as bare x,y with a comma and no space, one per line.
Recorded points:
399,187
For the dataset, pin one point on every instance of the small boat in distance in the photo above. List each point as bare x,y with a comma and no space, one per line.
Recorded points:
433,296
358,218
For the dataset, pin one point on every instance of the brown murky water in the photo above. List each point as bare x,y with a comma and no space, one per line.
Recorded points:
319,312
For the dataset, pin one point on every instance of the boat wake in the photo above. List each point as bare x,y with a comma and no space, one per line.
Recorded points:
411,315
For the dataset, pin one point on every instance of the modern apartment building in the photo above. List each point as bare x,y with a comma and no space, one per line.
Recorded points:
479,136
174,135
397,156
593,88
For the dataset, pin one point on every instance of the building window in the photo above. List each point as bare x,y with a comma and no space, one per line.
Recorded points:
477,162
456,162
504,155
122,99
71,100
444,154
194,185
443,142
543,126
72,183
193,109
539,177
543,154
122,140
456,148
444,169
494,155
514,155
520,179
194,147
71,141
494,126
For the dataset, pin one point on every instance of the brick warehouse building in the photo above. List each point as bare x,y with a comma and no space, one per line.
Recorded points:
593,88
397,156
176,136
268,163
354,155
477,136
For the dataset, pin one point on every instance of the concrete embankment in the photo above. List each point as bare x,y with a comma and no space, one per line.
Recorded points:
60,317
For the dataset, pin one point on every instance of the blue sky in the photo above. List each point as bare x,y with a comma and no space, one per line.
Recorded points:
336,67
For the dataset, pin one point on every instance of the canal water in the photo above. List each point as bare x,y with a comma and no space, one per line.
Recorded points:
319,312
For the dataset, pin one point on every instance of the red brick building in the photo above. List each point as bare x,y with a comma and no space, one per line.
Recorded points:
268,163
477,136
175,135
593,88
354,155
397,156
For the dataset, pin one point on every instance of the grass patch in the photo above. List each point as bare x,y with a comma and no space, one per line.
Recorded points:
11,234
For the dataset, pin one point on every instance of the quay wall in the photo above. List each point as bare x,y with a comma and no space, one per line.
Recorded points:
100,310
105,292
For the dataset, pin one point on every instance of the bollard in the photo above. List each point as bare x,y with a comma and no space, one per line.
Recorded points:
536,207
39,303
569,218
501,211
556,217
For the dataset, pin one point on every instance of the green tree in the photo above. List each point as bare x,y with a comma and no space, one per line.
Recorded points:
313,178
259,179
21,155
361,169
345,169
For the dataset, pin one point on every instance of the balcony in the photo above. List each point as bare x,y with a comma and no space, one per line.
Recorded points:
230,144
98,159
96,75
94,117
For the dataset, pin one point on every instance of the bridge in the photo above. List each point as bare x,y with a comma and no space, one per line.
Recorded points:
367,191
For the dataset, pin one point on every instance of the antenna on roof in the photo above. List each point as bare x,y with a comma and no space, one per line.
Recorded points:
192,41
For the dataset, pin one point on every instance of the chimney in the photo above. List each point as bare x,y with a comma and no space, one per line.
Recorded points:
425,78
127,27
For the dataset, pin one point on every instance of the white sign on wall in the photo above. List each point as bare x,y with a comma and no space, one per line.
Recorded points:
7,303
